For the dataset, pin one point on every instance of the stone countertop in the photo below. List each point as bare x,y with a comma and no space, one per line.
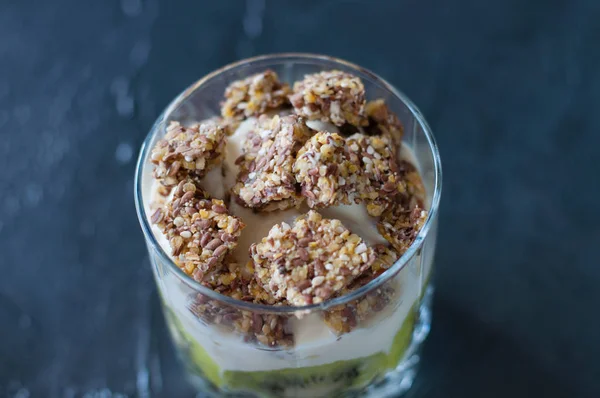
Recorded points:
511,90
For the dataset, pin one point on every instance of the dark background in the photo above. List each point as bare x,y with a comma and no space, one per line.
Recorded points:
510,88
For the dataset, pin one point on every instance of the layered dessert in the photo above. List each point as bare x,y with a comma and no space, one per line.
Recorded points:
296,196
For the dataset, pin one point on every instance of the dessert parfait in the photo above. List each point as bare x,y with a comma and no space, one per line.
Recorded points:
286,230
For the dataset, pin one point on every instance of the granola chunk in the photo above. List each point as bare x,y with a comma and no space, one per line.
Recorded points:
333,95
254,95
310,261
400,226
188,151
201,232
345,317
264,329
326,175
265,180
384,183
383,122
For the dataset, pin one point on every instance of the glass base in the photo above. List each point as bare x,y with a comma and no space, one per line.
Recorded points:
395,383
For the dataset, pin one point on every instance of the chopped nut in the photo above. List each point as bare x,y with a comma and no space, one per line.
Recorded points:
325,172
334,96
400,226
200,237
282,271
383,122
265,180
254,96
376,156
187,151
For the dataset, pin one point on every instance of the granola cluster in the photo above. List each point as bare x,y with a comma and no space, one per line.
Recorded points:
266,329
265,180
310,261
201,232
254,96
324,170
188,151
377,158
284,164
334,96
400,226
343,318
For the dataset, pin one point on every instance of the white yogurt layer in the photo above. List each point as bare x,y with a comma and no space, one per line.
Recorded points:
315,344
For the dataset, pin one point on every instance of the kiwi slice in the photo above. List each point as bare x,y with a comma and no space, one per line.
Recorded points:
402,339
314,381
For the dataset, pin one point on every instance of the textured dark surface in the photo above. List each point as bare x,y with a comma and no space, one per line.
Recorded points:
511,89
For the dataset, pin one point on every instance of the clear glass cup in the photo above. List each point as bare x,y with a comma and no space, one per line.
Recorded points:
219,339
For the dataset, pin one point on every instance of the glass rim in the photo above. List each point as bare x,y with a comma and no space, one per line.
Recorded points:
375,283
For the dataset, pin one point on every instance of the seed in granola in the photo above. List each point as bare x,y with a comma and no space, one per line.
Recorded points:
189,187
323,292
176,244
219,251
318,280
303,285
257,323
206,237
157,216
219,209
211,262
187,196
213,244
